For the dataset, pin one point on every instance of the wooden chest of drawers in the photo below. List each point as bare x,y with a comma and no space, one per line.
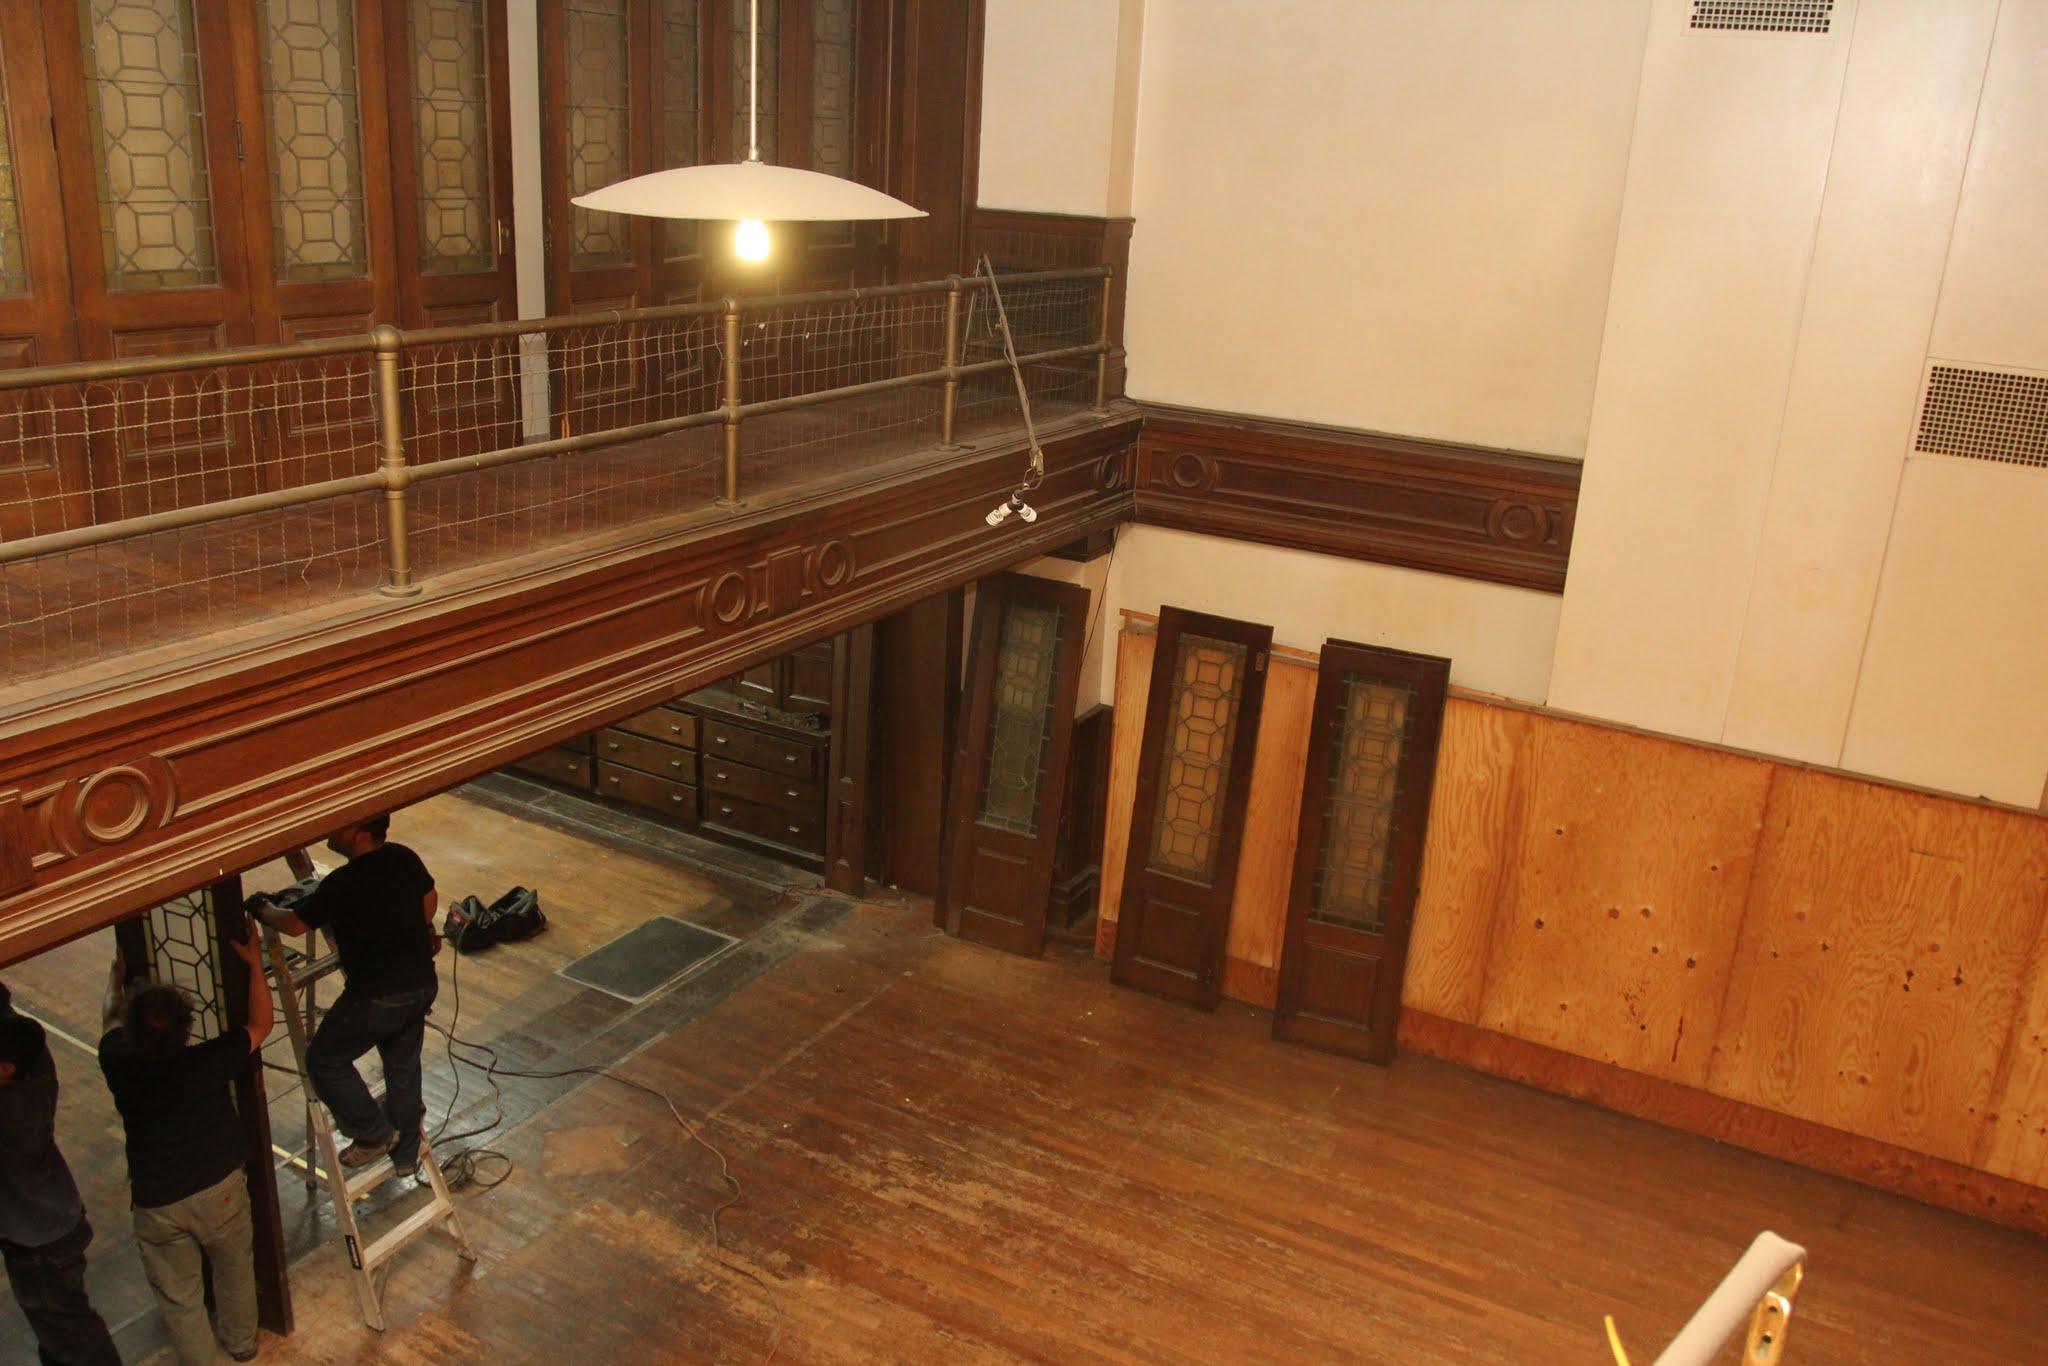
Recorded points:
732,762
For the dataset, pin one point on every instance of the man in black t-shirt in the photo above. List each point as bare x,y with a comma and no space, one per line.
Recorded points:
186,1153
379,907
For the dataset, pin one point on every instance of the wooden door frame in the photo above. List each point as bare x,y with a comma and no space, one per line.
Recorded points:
993,599
1207,986
1429,675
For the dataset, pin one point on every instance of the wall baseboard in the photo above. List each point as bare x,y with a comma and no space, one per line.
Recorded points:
1884,1166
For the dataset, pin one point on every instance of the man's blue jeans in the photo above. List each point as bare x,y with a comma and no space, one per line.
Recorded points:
395,1026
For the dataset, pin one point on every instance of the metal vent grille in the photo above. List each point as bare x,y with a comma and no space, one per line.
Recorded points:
1985,415
1764,16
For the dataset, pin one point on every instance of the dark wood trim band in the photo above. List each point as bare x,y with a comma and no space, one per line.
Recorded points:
1885,1166
1483,514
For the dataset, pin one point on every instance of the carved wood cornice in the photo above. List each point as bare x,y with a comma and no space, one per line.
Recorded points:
1481,514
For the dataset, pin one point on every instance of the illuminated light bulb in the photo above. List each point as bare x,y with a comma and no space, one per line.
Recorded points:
751,240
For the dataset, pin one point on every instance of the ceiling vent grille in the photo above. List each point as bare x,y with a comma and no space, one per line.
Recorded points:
1985,415
1764,16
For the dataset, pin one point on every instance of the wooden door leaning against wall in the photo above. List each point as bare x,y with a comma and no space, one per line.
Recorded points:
1357,861
1202,711
1010,767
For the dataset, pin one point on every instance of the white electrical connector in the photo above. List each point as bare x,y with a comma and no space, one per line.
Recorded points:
1015,507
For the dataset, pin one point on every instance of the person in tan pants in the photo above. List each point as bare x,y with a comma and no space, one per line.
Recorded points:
186,1154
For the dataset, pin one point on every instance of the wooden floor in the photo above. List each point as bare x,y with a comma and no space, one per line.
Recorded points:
947,1154
600,870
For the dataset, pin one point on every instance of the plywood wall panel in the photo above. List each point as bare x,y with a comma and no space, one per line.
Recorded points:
1620,913
1265,864
1474,823
1883,962
1133,677
2015,1138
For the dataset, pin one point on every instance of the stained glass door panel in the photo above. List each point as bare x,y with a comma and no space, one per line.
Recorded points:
1009,771
1364,812
1194,776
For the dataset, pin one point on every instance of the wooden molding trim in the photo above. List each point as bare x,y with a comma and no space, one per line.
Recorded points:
1482,514
139,792
1885,1166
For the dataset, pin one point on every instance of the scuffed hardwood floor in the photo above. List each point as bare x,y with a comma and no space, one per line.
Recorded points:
952,1155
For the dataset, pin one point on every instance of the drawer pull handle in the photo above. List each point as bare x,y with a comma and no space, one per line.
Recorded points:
794,830
718,739
612,745
789,758
725,811
614,780
675,730
721,775
792,792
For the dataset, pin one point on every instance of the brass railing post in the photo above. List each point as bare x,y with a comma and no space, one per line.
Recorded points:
952,408
1102,339
732,402
391,465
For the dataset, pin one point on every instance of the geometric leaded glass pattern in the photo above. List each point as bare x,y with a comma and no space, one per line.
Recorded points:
1202,706
679,107
832,99
13,265
316,158
1362,802
598,149
181,950
148,142
452,135
771,71
1021,727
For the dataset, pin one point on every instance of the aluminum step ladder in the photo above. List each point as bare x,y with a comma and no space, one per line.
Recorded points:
297,972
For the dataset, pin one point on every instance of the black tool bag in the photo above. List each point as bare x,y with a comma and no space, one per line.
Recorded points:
472,926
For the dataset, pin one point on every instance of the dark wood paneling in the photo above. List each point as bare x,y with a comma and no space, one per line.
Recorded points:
137,791
1870,1161
1014,239
919,691
1481,514
851,760
1077,867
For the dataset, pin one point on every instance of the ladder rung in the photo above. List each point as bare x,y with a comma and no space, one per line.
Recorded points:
411,1227
363,1180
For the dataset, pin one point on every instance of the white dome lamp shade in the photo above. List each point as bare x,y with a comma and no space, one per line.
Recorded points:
750,192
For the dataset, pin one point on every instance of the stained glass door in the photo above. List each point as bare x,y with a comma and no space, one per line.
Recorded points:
150,144
1364,811
1194,777
1009,770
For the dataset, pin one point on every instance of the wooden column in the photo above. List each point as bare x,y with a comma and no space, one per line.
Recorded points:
848,846
918,706
273,1279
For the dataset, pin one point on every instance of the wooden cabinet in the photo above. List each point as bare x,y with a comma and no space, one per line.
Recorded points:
743,761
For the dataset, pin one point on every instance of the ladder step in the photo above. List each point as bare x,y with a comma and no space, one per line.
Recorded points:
407,1229
363,1180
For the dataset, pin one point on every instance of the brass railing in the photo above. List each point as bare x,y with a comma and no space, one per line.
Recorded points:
311,388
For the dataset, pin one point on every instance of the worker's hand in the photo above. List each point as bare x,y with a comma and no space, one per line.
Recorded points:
249,951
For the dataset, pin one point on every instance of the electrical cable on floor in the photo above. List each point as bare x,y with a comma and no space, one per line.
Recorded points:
462,1169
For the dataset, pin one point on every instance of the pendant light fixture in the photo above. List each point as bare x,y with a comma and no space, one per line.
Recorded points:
750,192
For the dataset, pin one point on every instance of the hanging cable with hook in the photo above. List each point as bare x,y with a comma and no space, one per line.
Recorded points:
1034,474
